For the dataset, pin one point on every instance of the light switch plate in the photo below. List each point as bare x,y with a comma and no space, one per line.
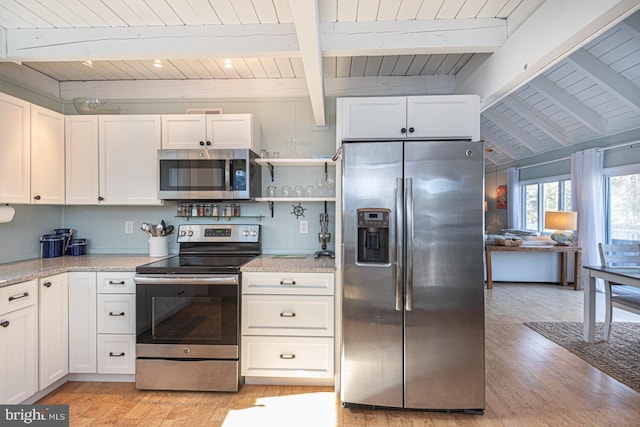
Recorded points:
128,227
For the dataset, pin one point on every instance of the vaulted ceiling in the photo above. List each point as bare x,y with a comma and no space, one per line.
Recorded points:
550,73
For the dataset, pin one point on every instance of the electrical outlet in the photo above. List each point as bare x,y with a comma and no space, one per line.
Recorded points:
128,227
304,226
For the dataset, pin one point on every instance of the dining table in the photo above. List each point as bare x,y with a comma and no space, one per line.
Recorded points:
622,275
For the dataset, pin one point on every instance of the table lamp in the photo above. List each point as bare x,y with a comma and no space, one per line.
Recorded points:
564,222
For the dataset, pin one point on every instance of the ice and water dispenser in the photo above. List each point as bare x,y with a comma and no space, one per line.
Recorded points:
373,236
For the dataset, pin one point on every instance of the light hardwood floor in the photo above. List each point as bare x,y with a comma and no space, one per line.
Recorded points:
530,381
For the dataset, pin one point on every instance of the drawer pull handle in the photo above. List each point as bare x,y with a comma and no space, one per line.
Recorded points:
287,282
287,314
287,356
15,297
112,354
111,313
116,282
47,284
5,324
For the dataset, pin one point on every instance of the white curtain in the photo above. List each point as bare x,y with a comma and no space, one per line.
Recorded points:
588,201
513,198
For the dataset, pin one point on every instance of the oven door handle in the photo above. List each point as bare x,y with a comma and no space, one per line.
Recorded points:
166,279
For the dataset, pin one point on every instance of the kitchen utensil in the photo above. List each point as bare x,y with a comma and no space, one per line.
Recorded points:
146,227
66,243
168,230
159,229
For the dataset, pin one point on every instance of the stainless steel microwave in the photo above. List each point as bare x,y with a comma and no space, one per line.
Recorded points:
208,175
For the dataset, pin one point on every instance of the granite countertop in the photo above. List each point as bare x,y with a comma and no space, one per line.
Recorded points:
22,271
290,263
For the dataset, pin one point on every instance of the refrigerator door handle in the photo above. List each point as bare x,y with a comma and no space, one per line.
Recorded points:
399,242
409,304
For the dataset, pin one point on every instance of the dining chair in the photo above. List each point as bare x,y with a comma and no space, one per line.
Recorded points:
623,297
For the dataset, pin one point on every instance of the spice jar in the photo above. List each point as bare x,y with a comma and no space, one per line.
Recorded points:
228,210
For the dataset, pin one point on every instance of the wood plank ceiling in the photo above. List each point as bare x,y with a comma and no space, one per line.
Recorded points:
584,82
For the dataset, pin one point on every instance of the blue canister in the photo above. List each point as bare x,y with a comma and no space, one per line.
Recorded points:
77,247
51,245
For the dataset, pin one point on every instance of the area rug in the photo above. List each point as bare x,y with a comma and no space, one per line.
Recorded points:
619,358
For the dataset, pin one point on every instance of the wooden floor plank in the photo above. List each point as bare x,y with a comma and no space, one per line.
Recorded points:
530,381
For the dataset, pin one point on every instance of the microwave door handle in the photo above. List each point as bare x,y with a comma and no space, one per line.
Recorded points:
227,175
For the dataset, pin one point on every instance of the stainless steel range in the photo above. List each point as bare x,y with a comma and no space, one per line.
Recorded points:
188,310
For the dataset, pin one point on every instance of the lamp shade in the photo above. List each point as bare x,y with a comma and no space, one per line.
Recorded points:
560,220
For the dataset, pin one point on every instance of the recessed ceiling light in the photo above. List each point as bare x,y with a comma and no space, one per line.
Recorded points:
227,63
88,63
157,63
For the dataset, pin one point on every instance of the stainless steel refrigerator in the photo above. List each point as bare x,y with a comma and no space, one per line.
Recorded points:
413,292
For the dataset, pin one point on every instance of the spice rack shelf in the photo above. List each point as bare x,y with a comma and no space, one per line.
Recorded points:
221,217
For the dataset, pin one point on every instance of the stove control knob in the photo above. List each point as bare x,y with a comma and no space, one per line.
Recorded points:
190,233
254,233
245,233
183,233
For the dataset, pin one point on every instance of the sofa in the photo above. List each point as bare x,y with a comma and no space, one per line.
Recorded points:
536,267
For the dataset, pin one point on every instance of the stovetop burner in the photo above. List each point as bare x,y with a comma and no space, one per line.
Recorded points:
209,249
181,264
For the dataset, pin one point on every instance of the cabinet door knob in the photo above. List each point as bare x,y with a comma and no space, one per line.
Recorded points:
411,130
208,142
37,197
5,324
403,130
112,354
100,198
47,284
202,143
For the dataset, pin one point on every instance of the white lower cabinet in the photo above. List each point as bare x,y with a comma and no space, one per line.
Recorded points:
82,323
102,330
53,331
287,325
18,342
116,354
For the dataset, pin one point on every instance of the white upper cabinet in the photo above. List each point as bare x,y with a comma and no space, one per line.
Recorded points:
15,162
373,117
183,131
81,142
112,159
415,117
129,159
223,131
47,156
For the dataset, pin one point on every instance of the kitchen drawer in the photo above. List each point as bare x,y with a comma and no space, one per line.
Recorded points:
20,295
287,357
287,315
116,282
116,354
116,314
287,283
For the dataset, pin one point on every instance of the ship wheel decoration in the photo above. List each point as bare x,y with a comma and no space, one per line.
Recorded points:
298,211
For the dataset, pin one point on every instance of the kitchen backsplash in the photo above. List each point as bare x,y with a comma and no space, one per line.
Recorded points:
104,227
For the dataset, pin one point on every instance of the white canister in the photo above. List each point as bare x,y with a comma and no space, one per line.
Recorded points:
158,246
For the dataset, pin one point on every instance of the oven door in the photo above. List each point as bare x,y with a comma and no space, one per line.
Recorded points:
203,174
187,317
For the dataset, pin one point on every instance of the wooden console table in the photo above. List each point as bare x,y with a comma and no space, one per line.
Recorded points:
563,250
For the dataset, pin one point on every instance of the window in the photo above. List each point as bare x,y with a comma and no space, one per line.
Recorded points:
622,208
548,195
